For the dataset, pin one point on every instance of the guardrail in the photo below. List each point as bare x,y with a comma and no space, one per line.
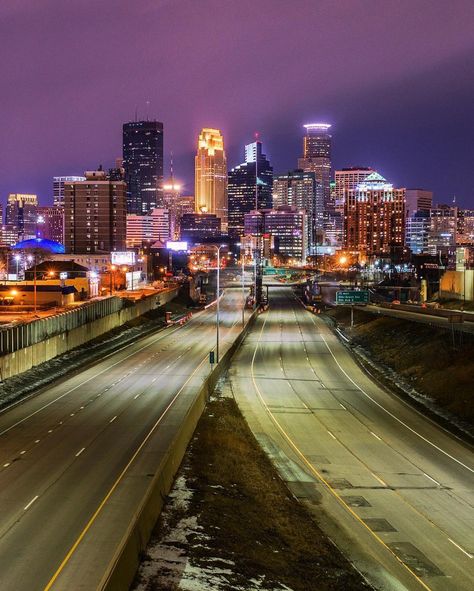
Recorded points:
429,311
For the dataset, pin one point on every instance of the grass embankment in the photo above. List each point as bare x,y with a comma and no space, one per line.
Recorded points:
243,516
435,363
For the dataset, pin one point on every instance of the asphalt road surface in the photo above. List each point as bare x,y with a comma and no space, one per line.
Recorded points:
393,490
76,458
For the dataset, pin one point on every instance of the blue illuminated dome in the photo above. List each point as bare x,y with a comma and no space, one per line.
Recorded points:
32,243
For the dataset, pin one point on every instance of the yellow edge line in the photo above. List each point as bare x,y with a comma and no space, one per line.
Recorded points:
116,483
317,474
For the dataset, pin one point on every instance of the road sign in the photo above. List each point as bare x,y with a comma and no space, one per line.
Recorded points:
211,357
352,297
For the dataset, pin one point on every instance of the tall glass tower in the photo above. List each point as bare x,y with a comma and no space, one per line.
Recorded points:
317,158
143,164
241,187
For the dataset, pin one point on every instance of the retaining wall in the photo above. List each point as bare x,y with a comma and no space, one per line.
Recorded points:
124,565
25,358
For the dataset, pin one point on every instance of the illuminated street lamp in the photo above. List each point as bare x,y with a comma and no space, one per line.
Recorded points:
218,250
242,258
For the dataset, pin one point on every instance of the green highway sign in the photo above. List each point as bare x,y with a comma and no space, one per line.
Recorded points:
352,297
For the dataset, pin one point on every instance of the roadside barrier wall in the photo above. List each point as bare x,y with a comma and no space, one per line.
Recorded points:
26,346
124,564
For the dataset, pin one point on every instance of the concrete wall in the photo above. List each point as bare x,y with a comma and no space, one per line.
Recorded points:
458,285
24,359
124,565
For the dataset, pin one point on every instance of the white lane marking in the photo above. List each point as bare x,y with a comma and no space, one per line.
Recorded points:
120,477
342,406
85,381
432,479
72,414
37,440
375,435
332,435
390,413
113,419
6,465
81,408
460,548
50,431
23,452
135,397
30,503
318,474
79,452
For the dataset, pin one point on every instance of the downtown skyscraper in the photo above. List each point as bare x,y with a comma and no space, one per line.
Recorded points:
210,169
143,164
249,187
317,144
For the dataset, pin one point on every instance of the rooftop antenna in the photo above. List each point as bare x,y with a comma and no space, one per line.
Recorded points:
454,199
171,167
147,109
136,113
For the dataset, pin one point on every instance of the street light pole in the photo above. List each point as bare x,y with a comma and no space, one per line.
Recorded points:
242,259
243,287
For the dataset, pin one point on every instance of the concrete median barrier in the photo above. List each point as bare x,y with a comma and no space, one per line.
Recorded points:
124,563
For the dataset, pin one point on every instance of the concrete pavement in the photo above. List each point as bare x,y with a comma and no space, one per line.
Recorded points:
395,491
76,459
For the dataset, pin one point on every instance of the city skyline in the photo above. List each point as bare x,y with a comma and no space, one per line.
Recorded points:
415,91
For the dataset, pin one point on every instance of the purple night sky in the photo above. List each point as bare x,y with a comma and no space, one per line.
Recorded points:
394,78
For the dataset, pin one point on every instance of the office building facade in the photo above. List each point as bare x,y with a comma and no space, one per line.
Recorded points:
284,227
95,214
58,187
143,165
317,149
148,228
301,190
418,200
51,223
199,227
374,218
21,217
249,186
210,170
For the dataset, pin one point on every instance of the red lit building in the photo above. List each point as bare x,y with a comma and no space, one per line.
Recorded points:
374,218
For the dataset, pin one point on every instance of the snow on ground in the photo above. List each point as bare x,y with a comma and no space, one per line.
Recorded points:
169,563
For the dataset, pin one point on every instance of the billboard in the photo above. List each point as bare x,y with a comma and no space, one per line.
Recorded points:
176,245
123,258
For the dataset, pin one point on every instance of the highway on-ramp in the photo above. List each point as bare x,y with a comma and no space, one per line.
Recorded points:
394,490
76,458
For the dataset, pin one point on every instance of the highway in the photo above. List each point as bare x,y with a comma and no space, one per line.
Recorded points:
392,489
76,458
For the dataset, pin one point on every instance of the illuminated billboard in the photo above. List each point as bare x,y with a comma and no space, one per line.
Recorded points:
123,258
176,246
